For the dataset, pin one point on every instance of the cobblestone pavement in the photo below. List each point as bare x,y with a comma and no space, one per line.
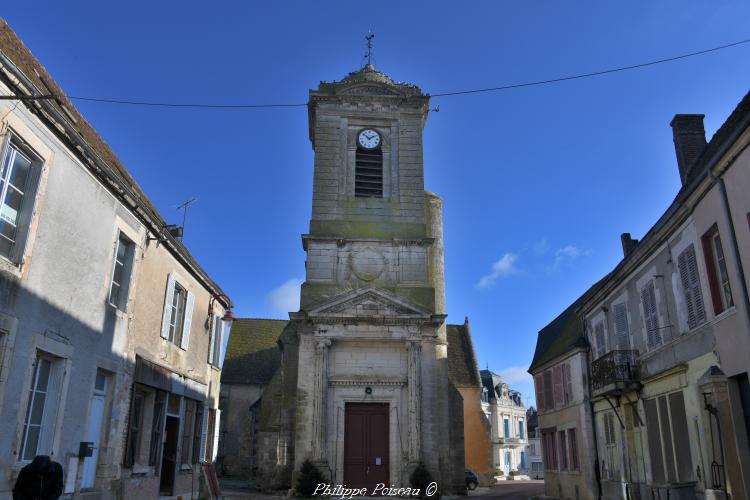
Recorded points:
506,490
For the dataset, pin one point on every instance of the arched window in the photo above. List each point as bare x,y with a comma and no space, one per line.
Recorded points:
368,173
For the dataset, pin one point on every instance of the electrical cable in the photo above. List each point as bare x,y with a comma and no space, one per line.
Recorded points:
440,94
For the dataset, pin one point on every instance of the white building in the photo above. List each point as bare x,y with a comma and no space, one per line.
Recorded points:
507,415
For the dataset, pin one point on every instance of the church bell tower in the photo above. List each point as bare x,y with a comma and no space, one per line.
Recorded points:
372,392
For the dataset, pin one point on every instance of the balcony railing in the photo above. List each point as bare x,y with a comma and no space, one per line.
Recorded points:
615,371
511,440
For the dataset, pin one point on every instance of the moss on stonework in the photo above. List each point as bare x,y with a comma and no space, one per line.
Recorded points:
367,229
317,293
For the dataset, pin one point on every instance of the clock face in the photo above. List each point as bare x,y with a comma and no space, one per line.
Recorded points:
368,139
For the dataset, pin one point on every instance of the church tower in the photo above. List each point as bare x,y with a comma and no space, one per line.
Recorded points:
368,350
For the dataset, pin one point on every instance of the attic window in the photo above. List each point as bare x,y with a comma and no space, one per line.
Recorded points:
368,173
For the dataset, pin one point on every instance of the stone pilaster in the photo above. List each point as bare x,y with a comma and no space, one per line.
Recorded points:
414,382
319,400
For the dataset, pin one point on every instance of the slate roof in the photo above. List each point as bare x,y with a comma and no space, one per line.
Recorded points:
565,332
253,355
462,361
115,176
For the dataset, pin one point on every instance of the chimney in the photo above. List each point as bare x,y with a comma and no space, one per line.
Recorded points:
689,141
628,244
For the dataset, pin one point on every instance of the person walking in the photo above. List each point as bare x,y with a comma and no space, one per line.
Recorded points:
42,479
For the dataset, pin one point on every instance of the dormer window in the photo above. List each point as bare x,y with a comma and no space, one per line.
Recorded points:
368,169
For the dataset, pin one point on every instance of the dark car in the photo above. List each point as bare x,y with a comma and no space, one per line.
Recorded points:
472,481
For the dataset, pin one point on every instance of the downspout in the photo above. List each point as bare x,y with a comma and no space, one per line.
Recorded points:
591,413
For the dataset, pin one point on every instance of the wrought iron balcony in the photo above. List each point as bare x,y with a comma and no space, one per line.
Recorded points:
615,373
510,440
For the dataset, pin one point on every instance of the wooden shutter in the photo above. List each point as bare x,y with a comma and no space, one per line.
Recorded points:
219,342
568,383
573,444
601,348
691,286
211,340
558,382
539,388
713,280
189,303
622,333
549,399
654,441
204,428
648,299
681,442
167,307
215,437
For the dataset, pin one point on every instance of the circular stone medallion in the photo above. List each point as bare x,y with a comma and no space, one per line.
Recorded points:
367,264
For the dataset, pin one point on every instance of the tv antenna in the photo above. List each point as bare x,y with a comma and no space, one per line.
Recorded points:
184,207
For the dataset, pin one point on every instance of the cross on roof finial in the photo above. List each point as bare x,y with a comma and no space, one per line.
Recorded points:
369,38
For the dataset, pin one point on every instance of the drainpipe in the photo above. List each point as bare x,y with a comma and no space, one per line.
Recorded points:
591,413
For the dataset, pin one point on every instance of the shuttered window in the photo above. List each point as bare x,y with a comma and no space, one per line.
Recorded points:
650,315
573,444
601,347
718,274
611,464
368,173
622,332
539,388
691,286
178,314
19,178
563,448
558,381
567,384
668,439
549,400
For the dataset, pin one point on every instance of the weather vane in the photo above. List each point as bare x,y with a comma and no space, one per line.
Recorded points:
369,38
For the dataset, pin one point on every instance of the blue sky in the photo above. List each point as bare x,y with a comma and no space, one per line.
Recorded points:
538,182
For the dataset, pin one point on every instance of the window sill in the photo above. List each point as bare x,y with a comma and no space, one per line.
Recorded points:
118,312
10,267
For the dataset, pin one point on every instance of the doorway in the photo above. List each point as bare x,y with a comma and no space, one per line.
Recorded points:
169,456
366,450
94,431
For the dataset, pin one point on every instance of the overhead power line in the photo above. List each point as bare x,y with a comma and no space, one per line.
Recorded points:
440,94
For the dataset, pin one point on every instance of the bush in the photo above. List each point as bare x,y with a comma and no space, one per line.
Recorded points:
420,478
499,472
515,473
308,479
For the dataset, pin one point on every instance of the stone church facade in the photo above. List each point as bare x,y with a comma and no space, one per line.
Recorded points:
363,388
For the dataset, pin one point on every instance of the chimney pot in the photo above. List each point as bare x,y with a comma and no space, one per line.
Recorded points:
628,244
689,141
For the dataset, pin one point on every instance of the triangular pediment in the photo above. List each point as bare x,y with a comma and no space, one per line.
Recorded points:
369,88
368,302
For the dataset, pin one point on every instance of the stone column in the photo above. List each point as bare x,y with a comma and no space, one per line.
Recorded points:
319,400
414,382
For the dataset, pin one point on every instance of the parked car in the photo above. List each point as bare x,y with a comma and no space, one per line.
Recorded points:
472,481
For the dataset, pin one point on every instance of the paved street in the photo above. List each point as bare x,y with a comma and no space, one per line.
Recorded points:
506,490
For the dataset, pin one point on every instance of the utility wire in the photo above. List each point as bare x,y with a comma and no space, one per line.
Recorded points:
596,73
441,94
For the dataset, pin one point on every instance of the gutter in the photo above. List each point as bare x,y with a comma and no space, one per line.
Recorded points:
105,172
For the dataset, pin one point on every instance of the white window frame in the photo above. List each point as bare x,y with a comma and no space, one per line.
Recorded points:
13,145
124,288
171,318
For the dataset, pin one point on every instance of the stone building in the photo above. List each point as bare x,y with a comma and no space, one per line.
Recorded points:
534,448
363,390
561,382
253,357
108,326
464,373
507,415
666,335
